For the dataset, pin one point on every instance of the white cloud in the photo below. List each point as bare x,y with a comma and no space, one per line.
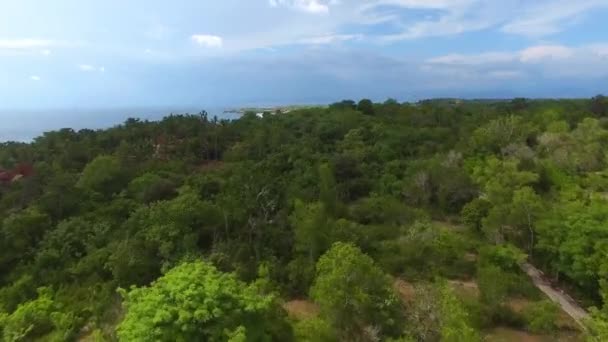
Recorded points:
541,52
460,59
536,18
331,38
90,68
541,18
208,40
550,61
46,52
533,54
35,78
310,6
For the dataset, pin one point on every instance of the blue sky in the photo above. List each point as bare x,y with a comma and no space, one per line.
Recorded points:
117,53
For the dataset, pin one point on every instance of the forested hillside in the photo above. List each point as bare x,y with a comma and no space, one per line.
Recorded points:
356,222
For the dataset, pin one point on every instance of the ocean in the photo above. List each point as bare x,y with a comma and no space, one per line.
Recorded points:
25,125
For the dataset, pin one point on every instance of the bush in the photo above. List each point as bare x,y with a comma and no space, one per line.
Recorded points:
507,257
314,330
37,318
541,316
150,188
473,212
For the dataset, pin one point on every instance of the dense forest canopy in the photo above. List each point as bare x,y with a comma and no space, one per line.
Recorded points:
193,228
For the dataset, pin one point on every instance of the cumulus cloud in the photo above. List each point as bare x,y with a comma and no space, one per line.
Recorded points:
35,78
207,40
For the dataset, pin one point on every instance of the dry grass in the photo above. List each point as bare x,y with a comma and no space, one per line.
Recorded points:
465,289
301,309
405,290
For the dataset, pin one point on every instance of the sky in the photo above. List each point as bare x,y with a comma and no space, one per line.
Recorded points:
118,53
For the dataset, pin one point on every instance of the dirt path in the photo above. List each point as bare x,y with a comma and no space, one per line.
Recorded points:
566,302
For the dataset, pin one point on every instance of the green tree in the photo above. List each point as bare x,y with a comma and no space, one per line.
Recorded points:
150,188
354,294
328,191
455,325
194,301
104,175
366,107
473,213
37,318
20,234
525,211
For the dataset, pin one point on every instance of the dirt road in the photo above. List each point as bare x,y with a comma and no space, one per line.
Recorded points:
566,302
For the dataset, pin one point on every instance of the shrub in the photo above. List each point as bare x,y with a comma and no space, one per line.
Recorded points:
541,316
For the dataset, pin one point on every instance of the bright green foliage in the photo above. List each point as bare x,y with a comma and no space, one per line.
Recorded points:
311,229
104,175
493,285
574,237
507,257
541,317
455,326
37,318
500,133
354,294
597,324
194,301
312,237
314,330
436,313
524,212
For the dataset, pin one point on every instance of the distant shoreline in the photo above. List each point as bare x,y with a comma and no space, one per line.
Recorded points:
272,109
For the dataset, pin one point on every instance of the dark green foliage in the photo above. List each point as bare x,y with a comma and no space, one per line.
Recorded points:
104,175
473,213
366,107
150,188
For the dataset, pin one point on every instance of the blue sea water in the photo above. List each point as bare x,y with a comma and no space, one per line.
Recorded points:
24,125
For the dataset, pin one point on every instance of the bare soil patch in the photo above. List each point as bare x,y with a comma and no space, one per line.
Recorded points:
301,309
